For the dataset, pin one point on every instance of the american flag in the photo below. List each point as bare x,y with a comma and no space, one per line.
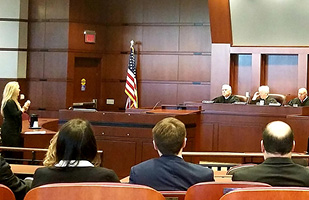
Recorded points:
131,87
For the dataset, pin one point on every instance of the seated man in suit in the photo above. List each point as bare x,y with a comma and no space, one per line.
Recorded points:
7,178
301,100
227,96
261,97
170,171
278,169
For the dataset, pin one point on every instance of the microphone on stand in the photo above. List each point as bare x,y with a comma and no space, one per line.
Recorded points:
156,105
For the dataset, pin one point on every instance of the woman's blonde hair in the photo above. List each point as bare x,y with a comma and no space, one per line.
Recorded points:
8,93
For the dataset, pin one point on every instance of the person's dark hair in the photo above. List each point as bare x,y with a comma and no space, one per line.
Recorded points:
275,144
76,141
169,135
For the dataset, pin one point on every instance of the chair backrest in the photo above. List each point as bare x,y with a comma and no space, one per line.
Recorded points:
269,193
6,193
233,169
174,195
93,191
215,190
279,97
242,98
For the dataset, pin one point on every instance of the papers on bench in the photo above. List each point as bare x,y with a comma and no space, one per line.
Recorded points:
35,132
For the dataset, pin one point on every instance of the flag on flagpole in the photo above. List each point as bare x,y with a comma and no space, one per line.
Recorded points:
131,86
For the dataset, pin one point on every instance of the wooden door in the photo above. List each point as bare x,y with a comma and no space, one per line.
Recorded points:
86,79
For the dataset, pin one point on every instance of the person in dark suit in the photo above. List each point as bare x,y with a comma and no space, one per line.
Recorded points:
170,171
226,96
301,100
72,156
261,97
278,169
7,177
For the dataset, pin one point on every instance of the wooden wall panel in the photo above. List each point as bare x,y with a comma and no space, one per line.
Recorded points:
228,138
192,92
158,67
36,9
194,68
55,66
151,93
52,93
148,151
281,73
124,11
160,38
115,67
36,94
57,35
119,37
195,38
242,74
161,11
57,9
77,39
220,20
194,11
113,90
35,66
37,35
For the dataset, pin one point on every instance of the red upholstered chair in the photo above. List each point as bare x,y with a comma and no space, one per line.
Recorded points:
179,195
6,193
93,191
268,193
215,190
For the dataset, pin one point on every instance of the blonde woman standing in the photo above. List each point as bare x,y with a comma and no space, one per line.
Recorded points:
12,115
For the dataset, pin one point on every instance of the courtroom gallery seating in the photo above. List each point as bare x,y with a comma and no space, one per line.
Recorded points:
215,190
269,193
93,191
6,193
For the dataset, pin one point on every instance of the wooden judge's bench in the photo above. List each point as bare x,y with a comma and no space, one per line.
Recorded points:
126,138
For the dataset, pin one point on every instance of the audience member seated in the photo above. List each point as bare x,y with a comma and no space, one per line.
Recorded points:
261,97
227,96
7,177
170,171
72,157
278,169
301,100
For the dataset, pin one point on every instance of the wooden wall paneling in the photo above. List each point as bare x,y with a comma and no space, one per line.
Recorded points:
158,67
55,66
118,37
54,95
282,73
205,138
301,134
77,39
194,11
151,93
220,68
57,35
302,70
160,38
124,11
35,68
195,38
37,9
36,35
148,151
229,138
113,90
257,68
115,67
192,92
36,94
113,155
57,9
161,11
243,71
92,11
194,68
220,20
